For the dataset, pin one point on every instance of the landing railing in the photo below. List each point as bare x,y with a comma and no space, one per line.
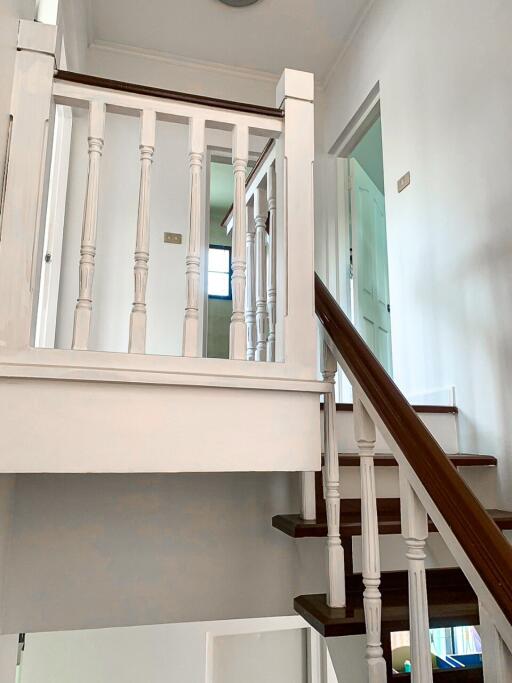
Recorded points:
272,316
430,486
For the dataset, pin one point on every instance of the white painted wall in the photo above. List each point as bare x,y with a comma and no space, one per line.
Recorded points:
270,650
444,71
101,551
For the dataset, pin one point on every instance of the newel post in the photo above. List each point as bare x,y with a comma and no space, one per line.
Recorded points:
23,207
296,336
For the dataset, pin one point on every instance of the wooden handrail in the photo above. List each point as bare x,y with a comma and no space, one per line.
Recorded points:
150,91
484,544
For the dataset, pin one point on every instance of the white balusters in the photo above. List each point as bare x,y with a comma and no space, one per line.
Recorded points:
366,436
497,658
250,290
260,219
137,340
415,533
192,338
238,330
335,552
271,263
83,310
308,496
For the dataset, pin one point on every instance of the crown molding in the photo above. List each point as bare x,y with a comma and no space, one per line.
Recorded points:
176,60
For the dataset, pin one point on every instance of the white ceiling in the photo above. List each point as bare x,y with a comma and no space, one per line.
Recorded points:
301,34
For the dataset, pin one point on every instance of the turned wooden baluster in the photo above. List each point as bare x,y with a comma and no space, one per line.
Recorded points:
191,332
415,532
137,339
307,496
335,552
250,291
271,263
83,310
260,219
366,436
238,328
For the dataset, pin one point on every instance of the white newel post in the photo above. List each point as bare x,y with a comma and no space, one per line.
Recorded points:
137,339
415,532
296,337
23,210
260,219
191,328
238,329
271,263
335,552
83,310
250,290
366,436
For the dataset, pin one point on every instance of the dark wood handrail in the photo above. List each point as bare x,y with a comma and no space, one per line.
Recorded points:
484,544
149,91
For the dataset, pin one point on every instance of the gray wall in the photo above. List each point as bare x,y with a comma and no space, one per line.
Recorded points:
92,551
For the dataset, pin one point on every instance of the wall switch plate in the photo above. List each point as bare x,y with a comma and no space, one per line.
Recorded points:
172,238
404,181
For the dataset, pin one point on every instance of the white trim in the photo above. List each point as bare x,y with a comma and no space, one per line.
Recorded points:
250,626
185,62
98,366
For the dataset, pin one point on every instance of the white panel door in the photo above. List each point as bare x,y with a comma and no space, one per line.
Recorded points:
370,264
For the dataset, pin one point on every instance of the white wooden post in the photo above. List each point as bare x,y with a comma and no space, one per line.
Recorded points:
22,218
271,263
250,291
238,329
137,340
260,219
191,329
83,310
415,532
497,658
296,335
335,552
307,496
366,436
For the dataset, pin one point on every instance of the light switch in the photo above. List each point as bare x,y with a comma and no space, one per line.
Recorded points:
404,181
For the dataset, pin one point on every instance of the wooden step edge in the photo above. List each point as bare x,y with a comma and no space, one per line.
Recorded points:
466,675
388,460
451,410
295,527
334,622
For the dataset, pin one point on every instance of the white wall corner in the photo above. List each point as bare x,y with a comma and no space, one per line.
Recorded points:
300,85
38,37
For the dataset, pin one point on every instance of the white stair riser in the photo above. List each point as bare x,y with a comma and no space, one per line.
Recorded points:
442,425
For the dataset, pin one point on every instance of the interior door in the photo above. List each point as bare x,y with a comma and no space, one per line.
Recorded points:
370,264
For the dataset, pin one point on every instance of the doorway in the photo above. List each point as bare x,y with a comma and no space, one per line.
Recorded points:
363,223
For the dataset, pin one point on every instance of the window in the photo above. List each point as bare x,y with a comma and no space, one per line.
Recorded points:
219,272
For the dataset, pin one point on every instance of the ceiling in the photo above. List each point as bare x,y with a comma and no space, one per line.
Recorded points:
267,36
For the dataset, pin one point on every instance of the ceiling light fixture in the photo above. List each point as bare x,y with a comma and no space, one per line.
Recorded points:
239,3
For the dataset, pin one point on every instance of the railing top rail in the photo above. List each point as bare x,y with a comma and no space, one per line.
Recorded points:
484,544
150,91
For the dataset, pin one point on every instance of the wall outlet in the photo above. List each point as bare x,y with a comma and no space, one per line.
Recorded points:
172,238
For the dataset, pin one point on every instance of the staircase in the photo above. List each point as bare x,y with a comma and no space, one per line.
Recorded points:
452,601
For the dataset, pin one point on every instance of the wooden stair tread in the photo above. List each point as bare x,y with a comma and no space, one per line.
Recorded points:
389,523
451,410
452,602
466,675
387,460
